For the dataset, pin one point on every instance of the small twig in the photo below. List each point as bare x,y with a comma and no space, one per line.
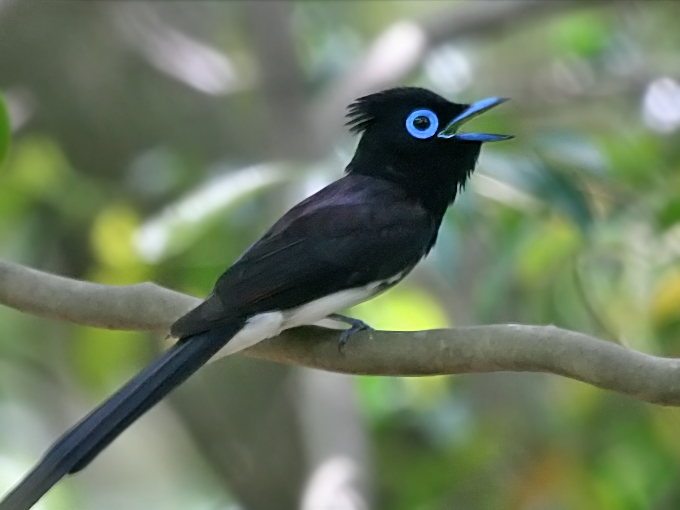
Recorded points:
588,304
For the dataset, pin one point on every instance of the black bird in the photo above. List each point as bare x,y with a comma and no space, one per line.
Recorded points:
350,241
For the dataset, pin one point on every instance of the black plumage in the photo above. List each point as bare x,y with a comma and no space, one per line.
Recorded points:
353,239
358,230
430,171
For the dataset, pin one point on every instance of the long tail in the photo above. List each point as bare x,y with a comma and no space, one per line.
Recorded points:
80,445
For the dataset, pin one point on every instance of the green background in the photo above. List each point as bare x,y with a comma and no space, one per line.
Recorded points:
156,141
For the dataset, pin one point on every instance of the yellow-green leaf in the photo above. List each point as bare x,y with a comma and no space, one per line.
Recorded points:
665,305
402,309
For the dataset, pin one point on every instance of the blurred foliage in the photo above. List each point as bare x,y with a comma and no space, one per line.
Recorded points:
137,130
4,131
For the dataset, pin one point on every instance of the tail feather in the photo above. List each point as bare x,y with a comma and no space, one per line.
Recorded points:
80,445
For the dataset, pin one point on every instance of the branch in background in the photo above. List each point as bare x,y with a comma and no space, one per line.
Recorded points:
281,80
496,348
398,51
326,422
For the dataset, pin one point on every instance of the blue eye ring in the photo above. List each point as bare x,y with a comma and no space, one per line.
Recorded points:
429,131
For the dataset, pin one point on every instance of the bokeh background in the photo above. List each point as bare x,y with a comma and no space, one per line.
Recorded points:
157,140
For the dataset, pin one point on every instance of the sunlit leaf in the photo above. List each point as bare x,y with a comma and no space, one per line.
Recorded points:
38,166
402,309
112,235
103,358
36,173
666,300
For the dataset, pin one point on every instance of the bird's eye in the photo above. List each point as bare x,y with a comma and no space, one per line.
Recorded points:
422,123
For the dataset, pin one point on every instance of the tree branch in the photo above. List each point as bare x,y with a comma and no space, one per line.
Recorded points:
496,348
140,307
149,307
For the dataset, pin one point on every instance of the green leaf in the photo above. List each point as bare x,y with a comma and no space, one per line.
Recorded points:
668,214
635,157
584,33
4,131
402,309
101,358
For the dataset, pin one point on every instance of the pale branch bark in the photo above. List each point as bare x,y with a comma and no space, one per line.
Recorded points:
496,348
140,307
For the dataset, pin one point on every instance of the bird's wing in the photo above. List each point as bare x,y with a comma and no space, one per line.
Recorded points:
345,236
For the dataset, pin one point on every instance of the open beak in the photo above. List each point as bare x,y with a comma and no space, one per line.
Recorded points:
475,109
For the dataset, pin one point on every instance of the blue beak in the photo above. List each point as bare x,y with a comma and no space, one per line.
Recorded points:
475,109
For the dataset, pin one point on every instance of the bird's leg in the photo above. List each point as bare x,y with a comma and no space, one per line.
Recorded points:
356,325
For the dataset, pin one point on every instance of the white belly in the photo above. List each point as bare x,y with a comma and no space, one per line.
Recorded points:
266,325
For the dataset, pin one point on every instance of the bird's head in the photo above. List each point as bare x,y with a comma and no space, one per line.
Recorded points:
410,136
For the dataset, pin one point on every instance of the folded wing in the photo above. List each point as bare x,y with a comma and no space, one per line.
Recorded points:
347,235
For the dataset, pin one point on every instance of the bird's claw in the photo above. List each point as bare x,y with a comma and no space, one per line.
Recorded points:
356,326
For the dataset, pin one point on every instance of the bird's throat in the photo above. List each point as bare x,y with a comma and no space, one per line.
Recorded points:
434,188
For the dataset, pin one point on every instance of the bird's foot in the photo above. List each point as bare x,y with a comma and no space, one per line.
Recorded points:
356,325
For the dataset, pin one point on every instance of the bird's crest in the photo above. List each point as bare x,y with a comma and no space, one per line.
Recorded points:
359,115
363,111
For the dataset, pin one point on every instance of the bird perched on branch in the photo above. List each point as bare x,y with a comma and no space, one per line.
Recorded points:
348,242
